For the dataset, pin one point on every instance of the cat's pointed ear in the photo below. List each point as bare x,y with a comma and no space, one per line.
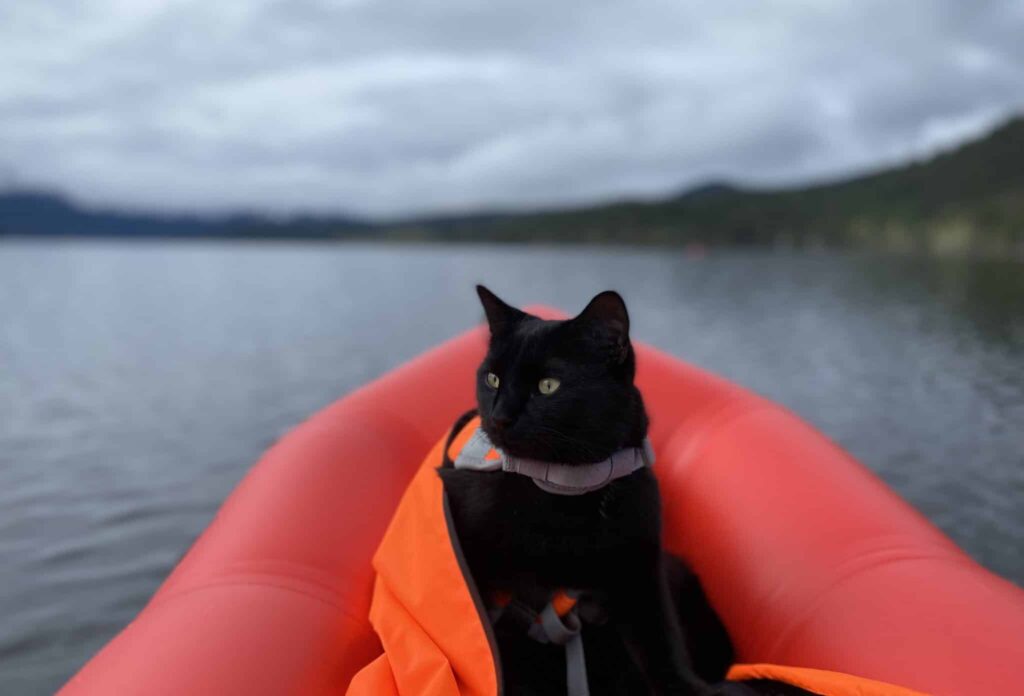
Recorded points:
608,311
500,316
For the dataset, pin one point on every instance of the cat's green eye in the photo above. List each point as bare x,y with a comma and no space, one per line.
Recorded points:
548,386
492,380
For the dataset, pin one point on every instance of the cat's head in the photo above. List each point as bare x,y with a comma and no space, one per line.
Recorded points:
560,390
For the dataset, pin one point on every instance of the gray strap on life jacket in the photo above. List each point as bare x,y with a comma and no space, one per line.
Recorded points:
474,454
565,630
553,477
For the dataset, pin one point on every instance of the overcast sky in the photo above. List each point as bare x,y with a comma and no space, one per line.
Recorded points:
395,107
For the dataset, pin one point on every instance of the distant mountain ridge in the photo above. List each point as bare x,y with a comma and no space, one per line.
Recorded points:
970,198
38,214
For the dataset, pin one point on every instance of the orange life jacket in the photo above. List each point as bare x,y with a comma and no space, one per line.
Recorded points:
432,622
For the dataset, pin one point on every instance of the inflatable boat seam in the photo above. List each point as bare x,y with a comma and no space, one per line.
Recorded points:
317,593
374,415
396,373
719,415
395,418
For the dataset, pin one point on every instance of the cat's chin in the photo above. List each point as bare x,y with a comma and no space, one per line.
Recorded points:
498,438
510,444
527,448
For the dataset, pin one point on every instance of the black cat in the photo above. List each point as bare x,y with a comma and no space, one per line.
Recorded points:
562,391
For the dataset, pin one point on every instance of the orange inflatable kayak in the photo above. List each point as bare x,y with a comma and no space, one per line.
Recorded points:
810,560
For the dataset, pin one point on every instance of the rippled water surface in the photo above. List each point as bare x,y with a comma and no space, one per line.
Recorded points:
139,381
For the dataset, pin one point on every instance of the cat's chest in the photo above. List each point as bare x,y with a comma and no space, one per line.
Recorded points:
508,516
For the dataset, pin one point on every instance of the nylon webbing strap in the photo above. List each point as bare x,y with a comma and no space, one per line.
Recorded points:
576,667
478,454
565,630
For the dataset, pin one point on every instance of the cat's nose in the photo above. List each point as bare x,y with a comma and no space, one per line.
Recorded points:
501,421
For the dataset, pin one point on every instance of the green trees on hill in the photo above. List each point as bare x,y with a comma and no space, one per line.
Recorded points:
968,200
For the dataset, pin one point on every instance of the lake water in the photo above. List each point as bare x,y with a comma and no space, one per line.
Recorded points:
138,382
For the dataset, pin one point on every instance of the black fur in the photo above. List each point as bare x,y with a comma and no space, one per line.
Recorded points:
518,538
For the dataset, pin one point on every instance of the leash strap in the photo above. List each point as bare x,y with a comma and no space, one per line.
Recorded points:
556,625
565,630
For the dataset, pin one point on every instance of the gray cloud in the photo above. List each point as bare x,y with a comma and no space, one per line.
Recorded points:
389,108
